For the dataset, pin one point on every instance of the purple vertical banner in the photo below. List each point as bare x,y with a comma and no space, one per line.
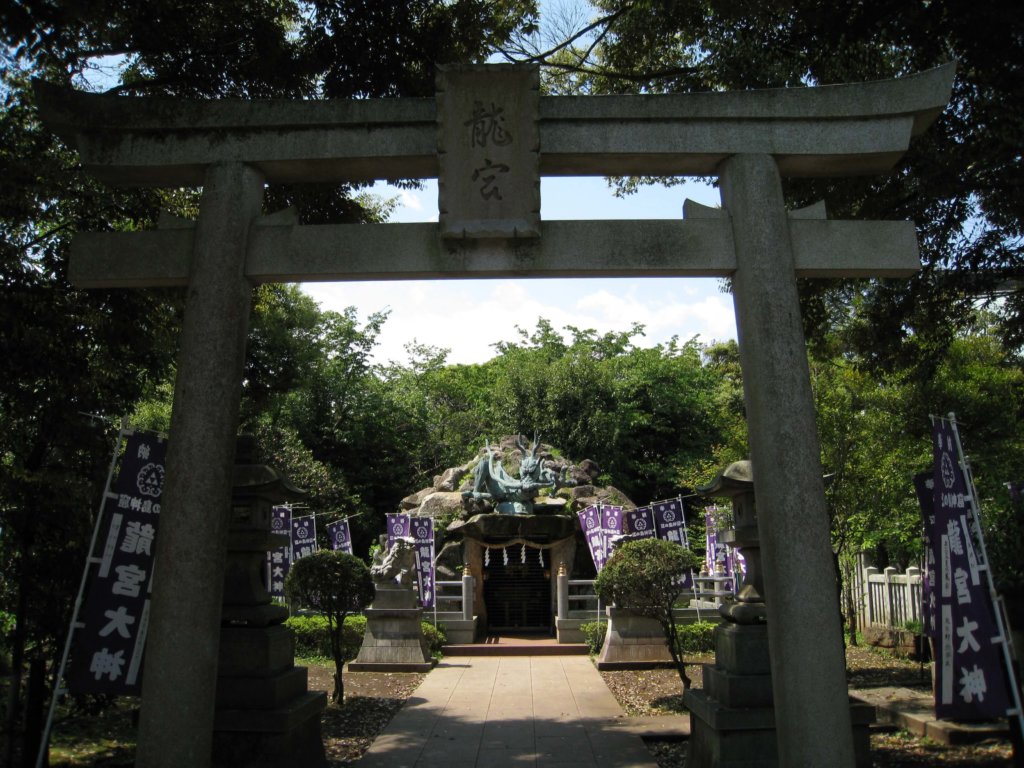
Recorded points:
399,527
279,559
924,484
611,527
670,520
423,536
109,645
969,679
590,524
340,536
639,523
710,542
303,537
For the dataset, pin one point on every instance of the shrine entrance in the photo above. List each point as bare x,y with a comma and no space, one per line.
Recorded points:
488,136
517,592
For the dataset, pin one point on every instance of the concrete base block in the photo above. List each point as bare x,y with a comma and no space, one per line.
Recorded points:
632,642
271,692
742,649
741,691
458,630
271,739
568,630
255,651
393,642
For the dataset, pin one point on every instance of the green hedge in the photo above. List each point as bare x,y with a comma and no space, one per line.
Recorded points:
312,638
696,638
593,634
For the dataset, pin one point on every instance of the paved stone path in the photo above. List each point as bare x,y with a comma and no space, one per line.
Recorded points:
505,712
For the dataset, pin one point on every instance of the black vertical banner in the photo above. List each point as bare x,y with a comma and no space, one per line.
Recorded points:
969,679
107,652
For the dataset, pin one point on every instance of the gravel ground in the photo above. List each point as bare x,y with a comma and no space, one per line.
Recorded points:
658,692
372,699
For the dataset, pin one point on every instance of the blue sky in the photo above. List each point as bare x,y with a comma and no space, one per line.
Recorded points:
469,316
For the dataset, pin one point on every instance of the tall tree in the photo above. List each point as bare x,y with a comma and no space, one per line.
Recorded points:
960,182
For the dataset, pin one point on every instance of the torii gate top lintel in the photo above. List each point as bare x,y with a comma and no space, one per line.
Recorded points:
848,129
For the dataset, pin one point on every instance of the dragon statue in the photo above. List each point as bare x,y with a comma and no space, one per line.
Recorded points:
509,495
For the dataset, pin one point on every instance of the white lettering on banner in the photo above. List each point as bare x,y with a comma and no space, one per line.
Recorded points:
140,645
119,622
138,538
956,544
963,591
954,500
129,579
946,695
111,544
966,634
972,684
972,559
946,576
106,663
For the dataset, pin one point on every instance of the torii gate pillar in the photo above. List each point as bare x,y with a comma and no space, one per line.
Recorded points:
804,633
184,634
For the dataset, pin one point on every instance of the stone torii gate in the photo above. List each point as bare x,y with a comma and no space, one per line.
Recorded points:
488,136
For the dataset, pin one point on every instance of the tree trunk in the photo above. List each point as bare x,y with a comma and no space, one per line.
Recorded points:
17,662
851,607
336,629
672,637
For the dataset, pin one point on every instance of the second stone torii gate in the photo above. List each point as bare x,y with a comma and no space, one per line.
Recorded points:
488,136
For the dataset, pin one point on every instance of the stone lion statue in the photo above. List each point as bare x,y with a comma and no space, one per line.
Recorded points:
395,566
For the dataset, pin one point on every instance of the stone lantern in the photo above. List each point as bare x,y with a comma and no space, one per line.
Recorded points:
732,720
265,716
736,482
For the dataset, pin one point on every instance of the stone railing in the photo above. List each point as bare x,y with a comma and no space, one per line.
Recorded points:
712,589
890,598
456,597
454,601
576,599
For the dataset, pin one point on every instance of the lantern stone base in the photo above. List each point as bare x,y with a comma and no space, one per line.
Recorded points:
633,642
732,720
264,716
394,640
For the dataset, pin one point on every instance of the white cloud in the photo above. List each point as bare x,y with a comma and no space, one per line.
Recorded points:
469,317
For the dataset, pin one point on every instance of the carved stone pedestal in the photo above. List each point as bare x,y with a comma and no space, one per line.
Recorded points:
394,640
732,720
265,717
633,642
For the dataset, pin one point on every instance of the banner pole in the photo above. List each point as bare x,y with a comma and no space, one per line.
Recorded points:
89,560
1017,713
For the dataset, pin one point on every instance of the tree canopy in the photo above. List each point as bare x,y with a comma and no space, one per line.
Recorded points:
960,181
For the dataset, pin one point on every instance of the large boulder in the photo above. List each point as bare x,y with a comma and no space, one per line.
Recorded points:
441,504
414,500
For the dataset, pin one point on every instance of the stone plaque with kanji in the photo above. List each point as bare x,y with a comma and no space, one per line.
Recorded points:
488,151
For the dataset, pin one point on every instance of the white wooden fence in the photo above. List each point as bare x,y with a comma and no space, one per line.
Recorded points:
889,598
